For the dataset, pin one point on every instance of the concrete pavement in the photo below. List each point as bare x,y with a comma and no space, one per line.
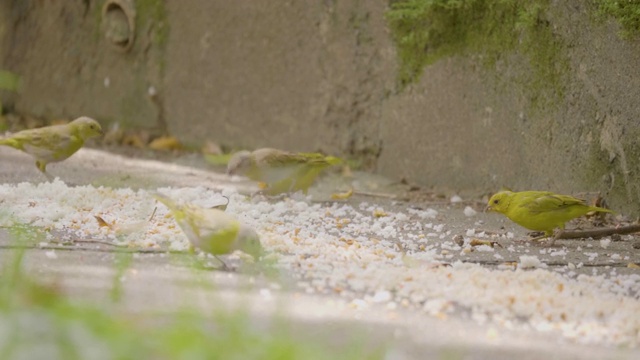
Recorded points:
161,282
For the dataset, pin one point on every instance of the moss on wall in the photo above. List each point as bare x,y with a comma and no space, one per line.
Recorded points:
426,31
625,12
153,15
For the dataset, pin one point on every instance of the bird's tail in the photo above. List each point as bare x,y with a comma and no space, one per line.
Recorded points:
172,205
332,160
318,159
10,142
599,209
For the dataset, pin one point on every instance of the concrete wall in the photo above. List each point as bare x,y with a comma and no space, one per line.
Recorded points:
68,68
304,75
321,75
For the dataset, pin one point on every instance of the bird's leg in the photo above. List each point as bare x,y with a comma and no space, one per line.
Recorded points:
536,233
557,233
538,238
42,166
551,238
548,237
224,265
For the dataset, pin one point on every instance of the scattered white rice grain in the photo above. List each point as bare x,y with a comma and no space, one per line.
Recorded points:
381,296
312,242
468,211
530,262
359,304
266,294
485,248
562,252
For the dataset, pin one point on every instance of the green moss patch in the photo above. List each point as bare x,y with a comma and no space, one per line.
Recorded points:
426,31
626,13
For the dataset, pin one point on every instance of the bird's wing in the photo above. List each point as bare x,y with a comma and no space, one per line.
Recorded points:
547,201
218,235
279,158
305,177
317,159
274,165
49,146
46,138
284,159
280,186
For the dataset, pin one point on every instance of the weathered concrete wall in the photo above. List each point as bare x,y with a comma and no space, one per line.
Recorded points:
309,75
304,75
467,128
69,68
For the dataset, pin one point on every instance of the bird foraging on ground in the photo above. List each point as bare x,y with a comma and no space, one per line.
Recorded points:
53,143
212,230
280,171
540,210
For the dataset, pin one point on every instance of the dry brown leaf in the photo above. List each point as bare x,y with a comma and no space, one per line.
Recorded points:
101,222
343,195
134,140
165,143
379,213
211,148
114,135
478,242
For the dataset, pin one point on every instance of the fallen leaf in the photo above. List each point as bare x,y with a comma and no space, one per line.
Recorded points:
478,242
211,148
165,143
633,266
134,140
379,213
343,195
101,222
113,135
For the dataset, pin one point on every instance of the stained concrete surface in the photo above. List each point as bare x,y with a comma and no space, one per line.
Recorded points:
164,282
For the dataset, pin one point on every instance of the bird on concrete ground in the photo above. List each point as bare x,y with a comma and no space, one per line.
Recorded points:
212,230
53,143
280,171
540,210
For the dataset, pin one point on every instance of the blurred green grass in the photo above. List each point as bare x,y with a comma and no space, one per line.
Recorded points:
40,321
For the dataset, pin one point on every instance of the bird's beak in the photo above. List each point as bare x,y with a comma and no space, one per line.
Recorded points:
488,208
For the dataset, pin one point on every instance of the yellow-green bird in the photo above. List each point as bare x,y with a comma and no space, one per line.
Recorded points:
280,171
540,210
53,143
212,230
